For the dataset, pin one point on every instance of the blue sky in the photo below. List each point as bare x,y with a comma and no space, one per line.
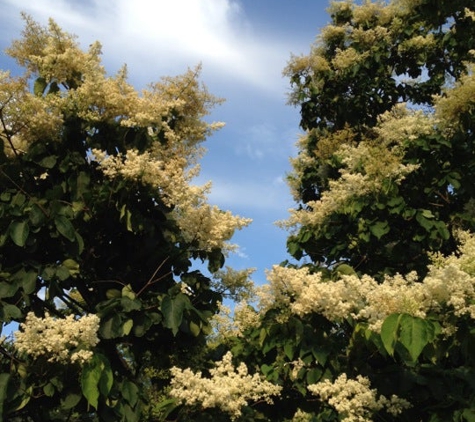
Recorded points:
243,46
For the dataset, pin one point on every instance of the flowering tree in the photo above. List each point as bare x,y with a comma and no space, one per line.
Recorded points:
377,321
99,229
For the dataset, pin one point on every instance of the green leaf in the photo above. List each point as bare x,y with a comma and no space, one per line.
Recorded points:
469,415
36,216
113,294
96,379
62,273
195,329
7,289
90,377
164,408
18,200
39,86
216,260
48,389
389,332
426,223
111,327
124,212
72,266
65,227
130,392
379,229
289,350
127,327
314,375
172,310
107,377
128,292
19,231
130,305
9,312
345,269
70,401
28,282
48,162
413,333
416,333
427,214
4,378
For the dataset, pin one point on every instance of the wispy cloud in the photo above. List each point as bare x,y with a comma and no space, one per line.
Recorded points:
167,35
251,196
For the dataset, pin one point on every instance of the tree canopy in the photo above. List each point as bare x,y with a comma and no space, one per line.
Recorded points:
385,166
100,226
373,320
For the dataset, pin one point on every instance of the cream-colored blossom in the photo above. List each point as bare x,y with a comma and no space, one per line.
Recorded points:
366,167
355,400
372,37
457,100
235,284
301,416
228,388
63,340
228,324
469,13
417,43
373,11
448,289
303,292
199,222
332,33
401,123
347,58
297,366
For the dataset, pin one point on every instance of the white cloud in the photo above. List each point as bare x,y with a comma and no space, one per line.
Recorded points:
268,140
164,37
270,196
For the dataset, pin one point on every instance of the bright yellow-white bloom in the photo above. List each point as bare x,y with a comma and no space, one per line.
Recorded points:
69,81
63,340
448,288
354,400
367,167
228,388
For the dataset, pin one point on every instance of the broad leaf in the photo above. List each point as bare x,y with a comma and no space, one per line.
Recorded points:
416,333
70,401
19,231
130,392
65,227
172,310
389,332
379,229
39,86
90,377
96,379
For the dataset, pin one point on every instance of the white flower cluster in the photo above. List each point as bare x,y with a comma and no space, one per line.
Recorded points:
229,388
354,400
301,416
227,326
367,167
63,340
209,226
448,289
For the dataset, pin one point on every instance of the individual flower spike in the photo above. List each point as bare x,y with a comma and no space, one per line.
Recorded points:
63,340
